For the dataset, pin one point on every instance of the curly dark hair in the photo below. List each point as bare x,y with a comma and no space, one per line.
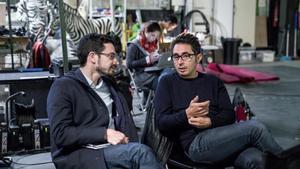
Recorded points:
117,41
190,39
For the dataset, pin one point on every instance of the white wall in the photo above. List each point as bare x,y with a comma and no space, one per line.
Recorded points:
244,20
227,20
223,16
219,14
204,6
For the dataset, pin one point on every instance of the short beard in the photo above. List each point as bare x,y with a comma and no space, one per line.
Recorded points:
102,73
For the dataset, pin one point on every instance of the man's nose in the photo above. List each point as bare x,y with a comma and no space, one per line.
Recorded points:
180,60
115,61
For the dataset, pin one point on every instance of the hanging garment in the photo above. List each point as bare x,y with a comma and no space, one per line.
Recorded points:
40,56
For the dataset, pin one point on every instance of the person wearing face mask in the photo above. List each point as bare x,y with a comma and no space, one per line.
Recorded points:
143,52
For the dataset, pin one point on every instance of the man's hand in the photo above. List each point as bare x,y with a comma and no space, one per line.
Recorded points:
115,137
200,122
197,109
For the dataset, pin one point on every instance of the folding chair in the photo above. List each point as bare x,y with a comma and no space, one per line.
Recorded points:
167,151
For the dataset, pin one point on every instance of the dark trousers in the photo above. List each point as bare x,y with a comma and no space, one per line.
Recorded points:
130,156
246,141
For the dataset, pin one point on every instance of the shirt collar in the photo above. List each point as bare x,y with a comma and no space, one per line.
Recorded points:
91,84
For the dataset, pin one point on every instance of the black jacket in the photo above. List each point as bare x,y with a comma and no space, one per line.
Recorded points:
78,116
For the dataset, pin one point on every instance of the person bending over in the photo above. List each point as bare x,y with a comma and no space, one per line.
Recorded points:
170,26
143,52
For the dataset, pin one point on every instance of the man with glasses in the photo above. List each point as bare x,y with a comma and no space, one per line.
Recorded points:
194,110
90,123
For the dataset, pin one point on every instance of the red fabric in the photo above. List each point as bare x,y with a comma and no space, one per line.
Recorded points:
233,74
148,46
231,70
240,113
243,73
225,77
40,56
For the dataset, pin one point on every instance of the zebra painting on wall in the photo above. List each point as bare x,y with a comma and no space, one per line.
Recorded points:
35,13
77,26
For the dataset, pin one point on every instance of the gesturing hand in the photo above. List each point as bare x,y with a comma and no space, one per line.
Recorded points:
197,109
200,122
115,137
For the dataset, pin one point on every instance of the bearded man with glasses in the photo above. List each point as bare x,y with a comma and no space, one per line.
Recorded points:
194,110
90,123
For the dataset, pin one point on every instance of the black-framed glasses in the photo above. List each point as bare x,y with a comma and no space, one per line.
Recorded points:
184,57
111,56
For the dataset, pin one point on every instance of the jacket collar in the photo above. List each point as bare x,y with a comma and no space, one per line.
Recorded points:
78,76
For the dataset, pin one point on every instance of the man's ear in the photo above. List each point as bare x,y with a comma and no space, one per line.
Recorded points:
92,57
199,57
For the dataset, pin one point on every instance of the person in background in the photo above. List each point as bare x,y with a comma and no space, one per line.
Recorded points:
143,52
170,26
121,75
132,25
90,123
194,110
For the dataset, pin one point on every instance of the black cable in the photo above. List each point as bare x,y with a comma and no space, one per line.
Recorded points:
188,17
31,152
9,161
47,162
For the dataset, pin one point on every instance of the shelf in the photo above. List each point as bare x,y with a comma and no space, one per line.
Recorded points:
21,55
20,42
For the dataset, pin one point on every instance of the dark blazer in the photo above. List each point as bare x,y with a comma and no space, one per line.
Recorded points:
78,116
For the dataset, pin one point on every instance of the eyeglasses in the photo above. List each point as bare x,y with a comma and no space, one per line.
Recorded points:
111,56
184,57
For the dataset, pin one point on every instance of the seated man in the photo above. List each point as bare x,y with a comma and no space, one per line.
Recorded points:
194,109
90,123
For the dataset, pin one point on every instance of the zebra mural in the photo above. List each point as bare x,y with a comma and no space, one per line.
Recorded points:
35,11
38,16
77,26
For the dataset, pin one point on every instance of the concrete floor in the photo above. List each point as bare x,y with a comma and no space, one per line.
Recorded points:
275,103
